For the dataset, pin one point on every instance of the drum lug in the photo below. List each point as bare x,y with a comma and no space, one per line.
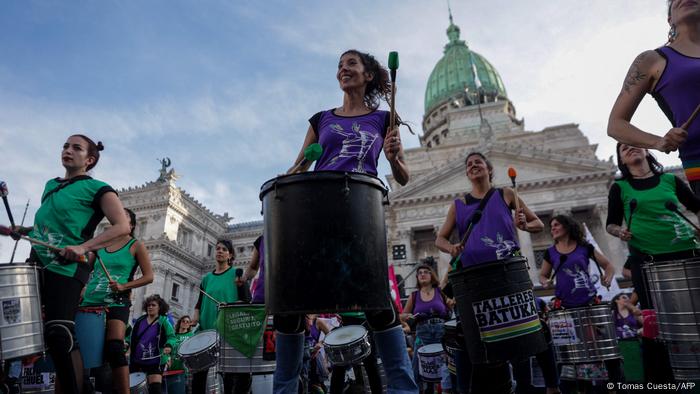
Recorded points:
277,196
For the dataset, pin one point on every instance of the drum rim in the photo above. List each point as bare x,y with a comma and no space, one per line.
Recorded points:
216,342
287,179
362,338
488,264
442,349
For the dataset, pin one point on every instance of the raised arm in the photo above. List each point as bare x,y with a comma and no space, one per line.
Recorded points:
640,80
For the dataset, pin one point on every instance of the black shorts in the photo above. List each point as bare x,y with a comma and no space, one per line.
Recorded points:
118,313
148,369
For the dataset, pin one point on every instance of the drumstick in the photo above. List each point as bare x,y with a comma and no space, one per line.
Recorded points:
4,230
692,117
671,206
562,260
475,218
393,66
212,298
103,267
311,154
512,174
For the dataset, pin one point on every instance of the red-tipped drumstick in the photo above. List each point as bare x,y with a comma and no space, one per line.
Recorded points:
512,174
4,230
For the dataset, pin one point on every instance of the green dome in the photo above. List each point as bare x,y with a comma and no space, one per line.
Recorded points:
453,74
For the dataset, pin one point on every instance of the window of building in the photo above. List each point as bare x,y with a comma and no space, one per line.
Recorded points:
210,250
175,292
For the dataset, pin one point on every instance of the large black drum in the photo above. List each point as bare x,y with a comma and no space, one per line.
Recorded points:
498,311
325,243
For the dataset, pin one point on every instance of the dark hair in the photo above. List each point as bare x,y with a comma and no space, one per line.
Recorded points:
93,150
380,85
572,227
654,165
163,306
132,218
179,323
433,276
487,161
613,301
229,246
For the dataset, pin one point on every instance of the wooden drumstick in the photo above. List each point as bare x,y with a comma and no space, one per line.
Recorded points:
692,117
311,153
102,264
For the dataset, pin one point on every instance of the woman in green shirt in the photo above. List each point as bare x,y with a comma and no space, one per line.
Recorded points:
112,290
226,287
176,374
71,207
655,234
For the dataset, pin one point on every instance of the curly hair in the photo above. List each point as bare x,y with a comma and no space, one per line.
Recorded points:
163,306
379,87
572,227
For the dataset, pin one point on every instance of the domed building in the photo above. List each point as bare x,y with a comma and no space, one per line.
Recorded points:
467,109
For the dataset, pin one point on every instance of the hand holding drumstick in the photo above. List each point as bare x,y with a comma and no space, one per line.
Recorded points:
677,135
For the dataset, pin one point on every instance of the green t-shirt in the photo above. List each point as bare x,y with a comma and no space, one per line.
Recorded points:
121,266
655,229
68,215
177,364
223,288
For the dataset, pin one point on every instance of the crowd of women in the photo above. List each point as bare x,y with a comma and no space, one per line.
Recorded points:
95,273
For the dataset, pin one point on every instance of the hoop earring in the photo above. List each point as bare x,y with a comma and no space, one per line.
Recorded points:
672,33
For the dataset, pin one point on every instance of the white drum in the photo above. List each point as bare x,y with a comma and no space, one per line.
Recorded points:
431,360
347,345
200,351
138,383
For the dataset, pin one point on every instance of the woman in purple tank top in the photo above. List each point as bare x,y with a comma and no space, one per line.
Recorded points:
569,258
671,74
428,307
493,238
352,137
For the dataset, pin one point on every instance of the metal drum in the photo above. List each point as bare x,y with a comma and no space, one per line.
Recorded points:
200,351
231,360
138,383
497,310
584,335
431,360
326,228
21,327
90,331
347,345
675,291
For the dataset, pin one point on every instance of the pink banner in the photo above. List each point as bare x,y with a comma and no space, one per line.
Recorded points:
394,286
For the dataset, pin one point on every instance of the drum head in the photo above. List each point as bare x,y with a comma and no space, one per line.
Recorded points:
136,379
199,342
435,348
345,335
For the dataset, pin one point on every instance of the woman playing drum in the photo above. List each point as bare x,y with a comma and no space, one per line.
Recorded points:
352,137
151,341
111,290
428,307
628,325
71,207
569,258
224,286
176,375
656,233
671,74
493,238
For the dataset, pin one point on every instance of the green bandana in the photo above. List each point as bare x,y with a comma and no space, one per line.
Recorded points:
242,327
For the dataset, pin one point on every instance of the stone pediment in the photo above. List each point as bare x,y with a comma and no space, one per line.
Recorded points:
531,166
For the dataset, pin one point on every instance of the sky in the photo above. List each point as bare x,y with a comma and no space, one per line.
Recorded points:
225,88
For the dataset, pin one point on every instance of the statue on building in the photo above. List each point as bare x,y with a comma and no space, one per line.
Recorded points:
165,174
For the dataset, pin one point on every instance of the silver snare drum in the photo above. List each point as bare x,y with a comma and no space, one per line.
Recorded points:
138,383
584,334
21,327
347,345
200,351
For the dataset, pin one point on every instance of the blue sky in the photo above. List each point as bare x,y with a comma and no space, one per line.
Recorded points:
225,88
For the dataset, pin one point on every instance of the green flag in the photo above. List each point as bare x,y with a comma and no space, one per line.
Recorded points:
242,327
